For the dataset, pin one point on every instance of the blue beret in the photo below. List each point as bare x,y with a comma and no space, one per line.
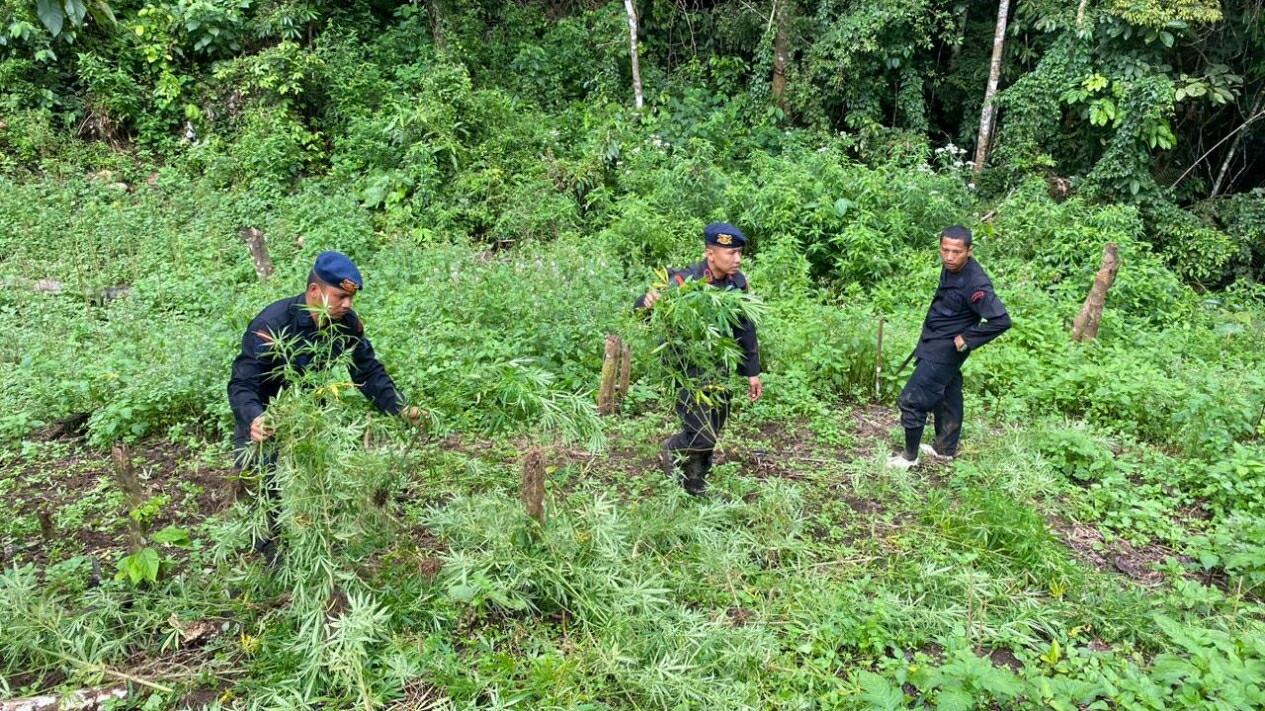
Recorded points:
335,269
723,234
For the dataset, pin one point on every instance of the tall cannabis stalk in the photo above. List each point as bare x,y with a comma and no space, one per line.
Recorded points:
323,484
693,324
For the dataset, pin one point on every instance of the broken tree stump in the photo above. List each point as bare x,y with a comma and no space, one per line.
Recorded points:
532,488
1085,327
254,238
625,371
612,375
130,483
47,527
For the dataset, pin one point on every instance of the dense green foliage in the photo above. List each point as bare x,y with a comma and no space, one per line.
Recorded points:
483,165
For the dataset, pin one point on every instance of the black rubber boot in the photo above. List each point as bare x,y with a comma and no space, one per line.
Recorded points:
667,459
268,549
695,481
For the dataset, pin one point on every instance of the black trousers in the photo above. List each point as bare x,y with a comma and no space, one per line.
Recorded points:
935,388
701,423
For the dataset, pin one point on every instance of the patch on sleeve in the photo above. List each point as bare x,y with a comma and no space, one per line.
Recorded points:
978,296
680,280
264,342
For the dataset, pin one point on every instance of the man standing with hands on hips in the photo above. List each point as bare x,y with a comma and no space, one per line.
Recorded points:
964,315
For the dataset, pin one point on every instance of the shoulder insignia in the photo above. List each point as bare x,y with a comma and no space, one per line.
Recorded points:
978,296
265,337
680,280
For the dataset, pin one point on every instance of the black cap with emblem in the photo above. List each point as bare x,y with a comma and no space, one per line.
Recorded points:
723,234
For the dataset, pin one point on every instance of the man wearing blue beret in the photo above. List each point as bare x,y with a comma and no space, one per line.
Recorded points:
701,423
322,314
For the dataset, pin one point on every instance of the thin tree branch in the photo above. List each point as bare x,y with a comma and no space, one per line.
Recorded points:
1229,156
1227,137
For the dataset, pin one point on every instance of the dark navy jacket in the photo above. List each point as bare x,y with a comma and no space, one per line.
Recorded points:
744,332
258,372
964,305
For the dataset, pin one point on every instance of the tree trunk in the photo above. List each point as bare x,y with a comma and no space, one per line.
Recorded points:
632,53
258,252
988,113
532,490
780,53
433,10
1234,148
1085,327
607,397
1080,13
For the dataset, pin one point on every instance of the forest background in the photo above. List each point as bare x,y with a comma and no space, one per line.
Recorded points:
508,179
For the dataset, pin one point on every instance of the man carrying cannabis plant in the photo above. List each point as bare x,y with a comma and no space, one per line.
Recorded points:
964,315
702,419
321,315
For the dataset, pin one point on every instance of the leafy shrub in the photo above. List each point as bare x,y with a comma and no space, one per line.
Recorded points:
1236,484
1076,454
1237,546
1194,250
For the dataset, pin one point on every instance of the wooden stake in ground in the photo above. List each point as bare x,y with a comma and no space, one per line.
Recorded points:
254,238
612,374
1085,327
878,360
632,53
532,489
125,475
988,114
625,370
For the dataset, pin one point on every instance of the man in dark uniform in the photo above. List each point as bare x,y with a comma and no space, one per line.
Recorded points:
319,325
701,422
964,315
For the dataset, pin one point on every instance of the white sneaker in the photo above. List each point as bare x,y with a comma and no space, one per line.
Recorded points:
931,452
898,461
